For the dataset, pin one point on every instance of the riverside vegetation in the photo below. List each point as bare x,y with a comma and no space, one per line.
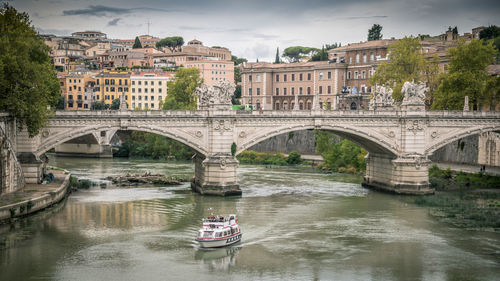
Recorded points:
463,199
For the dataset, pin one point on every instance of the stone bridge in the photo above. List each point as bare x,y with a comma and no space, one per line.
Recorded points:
399,142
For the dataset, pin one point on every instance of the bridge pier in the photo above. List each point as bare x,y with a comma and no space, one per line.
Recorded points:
216,175
402,175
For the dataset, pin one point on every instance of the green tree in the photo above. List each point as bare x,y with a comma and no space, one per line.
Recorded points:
235,99
467,76
60,103
181,89
491,32
99,105
339,155
277,59
375,33
137,43
28,82
115,104
321,55
237,60
173,43
295,53
406,64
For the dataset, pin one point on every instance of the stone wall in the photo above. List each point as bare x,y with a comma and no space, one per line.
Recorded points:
483,149
11,175
301,141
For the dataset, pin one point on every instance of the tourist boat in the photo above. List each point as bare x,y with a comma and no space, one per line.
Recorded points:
219,231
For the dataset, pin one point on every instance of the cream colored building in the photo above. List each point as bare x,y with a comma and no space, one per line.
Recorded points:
148,90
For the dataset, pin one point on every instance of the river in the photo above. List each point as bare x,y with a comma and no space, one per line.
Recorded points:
297,224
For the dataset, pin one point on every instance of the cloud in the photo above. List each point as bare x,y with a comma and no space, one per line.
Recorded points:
96,10
102,11
114,22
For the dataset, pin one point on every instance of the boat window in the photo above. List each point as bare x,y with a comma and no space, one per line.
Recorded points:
207,233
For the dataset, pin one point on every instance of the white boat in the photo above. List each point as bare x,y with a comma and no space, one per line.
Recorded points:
219,231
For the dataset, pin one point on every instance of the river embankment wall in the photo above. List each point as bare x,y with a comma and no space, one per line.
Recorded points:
34,197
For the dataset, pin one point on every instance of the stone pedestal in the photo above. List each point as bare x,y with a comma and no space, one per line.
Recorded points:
408,175
33,167
216,175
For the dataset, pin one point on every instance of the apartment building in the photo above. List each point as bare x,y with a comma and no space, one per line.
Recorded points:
213,71
279,86
89,35
146,41
214,63
79,92
111,85
149,89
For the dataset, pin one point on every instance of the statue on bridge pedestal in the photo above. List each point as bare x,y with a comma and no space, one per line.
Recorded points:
414,96
382,99
217,96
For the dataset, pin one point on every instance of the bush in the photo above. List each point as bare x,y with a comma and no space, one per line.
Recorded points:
339,154
253,157
294,158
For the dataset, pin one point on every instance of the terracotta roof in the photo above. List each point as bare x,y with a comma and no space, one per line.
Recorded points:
284,65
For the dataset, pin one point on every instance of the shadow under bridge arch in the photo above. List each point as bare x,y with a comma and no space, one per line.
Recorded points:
50,141
372,142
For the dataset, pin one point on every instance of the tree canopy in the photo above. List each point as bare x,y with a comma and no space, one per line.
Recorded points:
467,76
237,60
173,43
28,82
137,43
375,33
181,89
406,64
277,59
295,53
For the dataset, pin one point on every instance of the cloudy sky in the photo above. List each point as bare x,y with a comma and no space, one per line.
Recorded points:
254,28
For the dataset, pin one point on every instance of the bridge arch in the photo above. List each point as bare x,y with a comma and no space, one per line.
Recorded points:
454,136
371,141
60,137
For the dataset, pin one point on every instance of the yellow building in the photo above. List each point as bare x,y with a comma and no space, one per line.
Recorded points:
111,85
79,91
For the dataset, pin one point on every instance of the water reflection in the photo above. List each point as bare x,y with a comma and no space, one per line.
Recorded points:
221,259
297,225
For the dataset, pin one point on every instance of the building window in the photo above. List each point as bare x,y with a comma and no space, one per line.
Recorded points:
356,76
133,82
277,77
152,98
300,77
139,82
363,74
292,91
320,89
277,106
357,58
293,77
329,89
350,60
300,91
159,83
258,91
250,78
139,90
145,83
372,57
277,91
152,90
249,91
284,91
364,57
321,76
258,75
145,90
308,90
348,75
284,78
145,97
309,76
152,105
133,97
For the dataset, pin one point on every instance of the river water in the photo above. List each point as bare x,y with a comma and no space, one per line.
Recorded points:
297,224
